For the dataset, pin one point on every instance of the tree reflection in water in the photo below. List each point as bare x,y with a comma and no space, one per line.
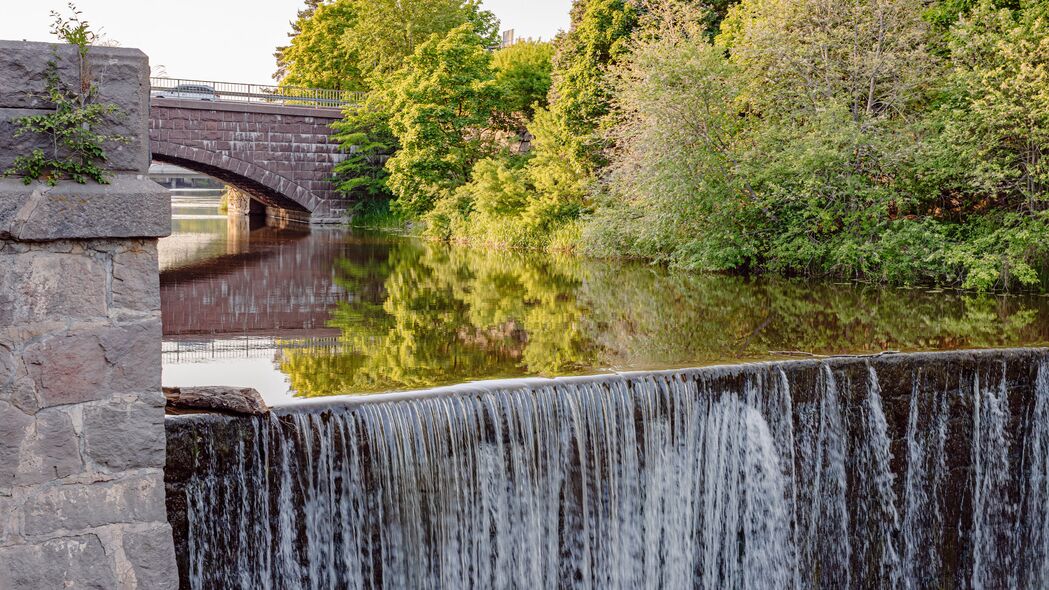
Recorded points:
432,315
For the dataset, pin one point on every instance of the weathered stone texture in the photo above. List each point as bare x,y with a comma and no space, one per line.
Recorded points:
82,441
69,562
130,206
152,557
121,436
283,156
121,77
80,506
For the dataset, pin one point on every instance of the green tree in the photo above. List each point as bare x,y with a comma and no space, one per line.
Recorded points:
568,147
317,56
522,73
386,32
296,27
441,104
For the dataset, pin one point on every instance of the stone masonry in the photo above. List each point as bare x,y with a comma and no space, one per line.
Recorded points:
282,156
82,444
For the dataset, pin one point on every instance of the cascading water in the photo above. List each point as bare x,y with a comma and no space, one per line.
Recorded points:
836,474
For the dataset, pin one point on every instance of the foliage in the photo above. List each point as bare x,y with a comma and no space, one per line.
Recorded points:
365,137
440,105
303,15
386,32
77,145
998,109
522,74
316,57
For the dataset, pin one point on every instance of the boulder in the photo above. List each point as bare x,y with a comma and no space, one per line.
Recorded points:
215,398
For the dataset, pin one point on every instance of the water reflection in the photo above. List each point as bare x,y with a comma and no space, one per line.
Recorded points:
328,312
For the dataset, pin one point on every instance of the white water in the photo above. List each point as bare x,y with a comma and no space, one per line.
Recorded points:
667,481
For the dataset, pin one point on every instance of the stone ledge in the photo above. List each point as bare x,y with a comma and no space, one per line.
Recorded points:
131,206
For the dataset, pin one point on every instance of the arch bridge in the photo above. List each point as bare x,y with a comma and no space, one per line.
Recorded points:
273,143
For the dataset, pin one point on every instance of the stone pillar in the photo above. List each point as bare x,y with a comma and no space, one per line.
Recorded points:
82,440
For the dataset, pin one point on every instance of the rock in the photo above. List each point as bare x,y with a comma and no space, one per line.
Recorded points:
14,428
230,400
69,562
137,498
121,436
152,557
51,451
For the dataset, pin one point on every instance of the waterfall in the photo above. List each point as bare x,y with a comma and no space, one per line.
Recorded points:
831,474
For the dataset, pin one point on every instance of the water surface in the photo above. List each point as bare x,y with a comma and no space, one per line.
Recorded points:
299,312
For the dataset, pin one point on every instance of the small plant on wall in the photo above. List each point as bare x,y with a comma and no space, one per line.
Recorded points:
76,149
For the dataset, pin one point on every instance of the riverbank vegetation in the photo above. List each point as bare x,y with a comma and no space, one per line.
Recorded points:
898,141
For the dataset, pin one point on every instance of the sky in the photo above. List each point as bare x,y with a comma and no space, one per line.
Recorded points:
224,40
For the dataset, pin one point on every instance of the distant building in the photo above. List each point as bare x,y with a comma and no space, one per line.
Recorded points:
508,38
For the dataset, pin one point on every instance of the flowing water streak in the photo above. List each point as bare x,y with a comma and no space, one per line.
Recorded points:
724,479
992,558
1035,543
567,486
877,496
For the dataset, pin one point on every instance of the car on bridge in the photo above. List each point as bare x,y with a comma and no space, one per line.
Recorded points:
187,92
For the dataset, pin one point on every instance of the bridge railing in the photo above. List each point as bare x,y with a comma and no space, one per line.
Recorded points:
254,93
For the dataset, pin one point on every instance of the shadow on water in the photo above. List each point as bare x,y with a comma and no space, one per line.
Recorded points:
323,312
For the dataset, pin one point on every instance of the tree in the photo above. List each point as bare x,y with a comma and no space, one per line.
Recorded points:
675,181
303,15
523,75
317,57
441,104
999,105
568,150
386,32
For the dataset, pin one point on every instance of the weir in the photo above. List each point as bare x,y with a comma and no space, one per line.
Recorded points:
897,471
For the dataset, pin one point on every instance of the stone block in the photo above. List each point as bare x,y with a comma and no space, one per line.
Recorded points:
121,436
51,451
131,206
69,562
27,63
77,507
42,285
152,557
15,426
121,77
87,365
136,278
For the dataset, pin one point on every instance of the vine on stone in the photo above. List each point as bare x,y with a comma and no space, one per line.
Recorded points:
77,146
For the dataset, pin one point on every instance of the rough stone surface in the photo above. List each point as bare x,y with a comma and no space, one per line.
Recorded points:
152,557
124,436
86,365
73,507
33,567
82,443
283,156
43,285
231,400
14,428
51,451
130,206
120,75
136,278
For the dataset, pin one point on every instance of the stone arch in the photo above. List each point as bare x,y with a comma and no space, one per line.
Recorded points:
266,186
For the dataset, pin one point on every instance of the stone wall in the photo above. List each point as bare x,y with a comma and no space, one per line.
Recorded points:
82,443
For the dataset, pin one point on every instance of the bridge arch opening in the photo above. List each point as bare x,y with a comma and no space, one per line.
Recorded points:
271,195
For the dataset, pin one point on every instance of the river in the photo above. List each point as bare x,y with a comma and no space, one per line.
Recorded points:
298,312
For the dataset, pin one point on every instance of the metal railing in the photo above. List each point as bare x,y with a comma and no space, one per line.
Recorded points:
254,93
